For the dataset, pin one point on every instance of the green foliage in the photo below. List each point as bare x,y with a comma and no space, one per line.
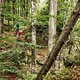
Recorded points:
64,74
8,68
77,59
28,76
69,60
12,53
76,32
3,78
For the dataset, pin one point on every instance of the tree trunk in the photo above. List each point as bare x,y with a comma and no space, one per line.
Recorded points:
52,24
3,2
13,7
1,16
0,19
26,8
62,39
19,8
8,9
33,31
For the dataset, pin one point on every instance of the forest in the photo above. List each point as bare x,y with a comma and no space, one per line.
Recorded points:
39,40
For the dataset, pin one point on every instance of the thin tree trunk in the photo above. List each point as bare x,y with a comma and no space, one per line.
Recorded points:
18,11
21,11
13,7
9,9
1,16
52,24
26,8
62,39
33,32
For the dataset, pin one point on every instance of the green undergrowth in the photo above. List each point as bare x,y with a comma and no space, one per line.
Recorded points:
64,74
13,57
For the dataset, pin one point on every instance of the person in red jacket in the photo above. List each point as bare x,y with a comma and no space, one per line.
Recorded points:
19,35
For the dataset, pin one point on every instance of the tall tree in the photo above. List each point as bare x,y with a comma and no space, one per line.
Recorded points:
62,39
26,8
33,6
1,16
13,7
8,9
3,1
52,24
18,7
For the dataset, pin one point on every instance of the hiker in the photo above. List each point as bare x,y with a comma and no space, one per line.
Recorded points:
27,38
19,35
17,26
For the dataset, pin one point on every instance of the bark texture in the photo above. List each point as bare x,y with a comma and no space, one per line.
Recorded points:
62,39
52,24
26,8
33,31
0,18
13,7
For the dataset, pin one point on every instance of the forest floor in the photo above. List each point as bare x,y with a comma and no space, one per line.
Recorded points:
9,70
8,42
